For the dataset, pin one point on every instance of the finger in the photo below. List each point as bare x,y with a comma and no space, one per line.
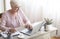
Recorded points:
30,27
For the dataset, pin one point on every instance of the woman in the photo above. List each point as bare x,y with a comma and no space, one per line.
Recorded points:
13,18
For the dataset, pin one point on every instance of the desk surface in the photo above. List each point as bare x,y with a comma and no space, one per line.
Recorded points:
40,33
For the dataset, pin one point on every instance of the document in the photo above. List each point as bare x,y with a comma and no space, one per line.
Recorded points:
4,34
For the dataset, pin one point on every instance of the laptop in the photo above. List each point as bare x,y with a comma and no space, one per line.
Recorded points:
36,26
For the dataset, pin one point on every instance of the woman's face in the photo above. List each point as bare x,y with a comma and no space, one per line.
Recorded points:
15,8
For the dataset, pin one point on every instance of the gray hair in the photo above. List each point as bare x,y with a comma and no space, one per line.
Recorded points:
15,3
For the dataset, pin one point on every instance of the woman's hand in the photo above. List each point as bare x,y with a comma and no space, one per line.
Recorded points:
2,29
12,30
28,26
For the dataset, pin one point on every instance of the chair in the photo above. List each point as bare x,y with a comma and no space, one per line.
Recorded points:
1,15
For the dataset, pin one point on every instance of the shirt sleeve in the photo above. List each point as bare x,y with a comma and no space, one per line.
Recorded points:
24,18
3,21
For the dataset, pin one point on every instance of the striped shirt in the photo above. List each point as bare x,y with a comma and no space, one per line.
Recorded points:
8,21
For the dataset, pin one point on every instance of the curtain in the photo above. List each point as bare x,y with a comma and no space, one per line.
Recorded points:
33,9
51,9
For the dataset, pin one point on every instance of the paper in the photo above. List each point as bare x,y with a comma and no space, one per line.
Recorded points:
15,34
25,30
4,34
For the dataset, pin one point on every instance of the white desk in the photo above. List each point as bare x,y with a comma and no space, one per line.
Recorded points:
39,35
42,34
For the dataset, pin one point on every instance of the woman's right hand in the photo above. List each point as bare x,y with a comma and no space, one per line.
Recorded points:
12,30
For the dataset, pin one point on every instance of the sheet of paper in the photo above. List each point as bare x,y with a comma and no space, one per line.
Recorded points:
4,34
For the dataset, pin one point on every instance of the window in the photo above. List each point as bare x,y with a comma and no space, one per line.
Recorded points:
1,6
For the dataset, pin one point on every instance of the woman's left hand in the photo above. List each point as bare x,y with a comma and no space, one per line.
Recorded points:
29,26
